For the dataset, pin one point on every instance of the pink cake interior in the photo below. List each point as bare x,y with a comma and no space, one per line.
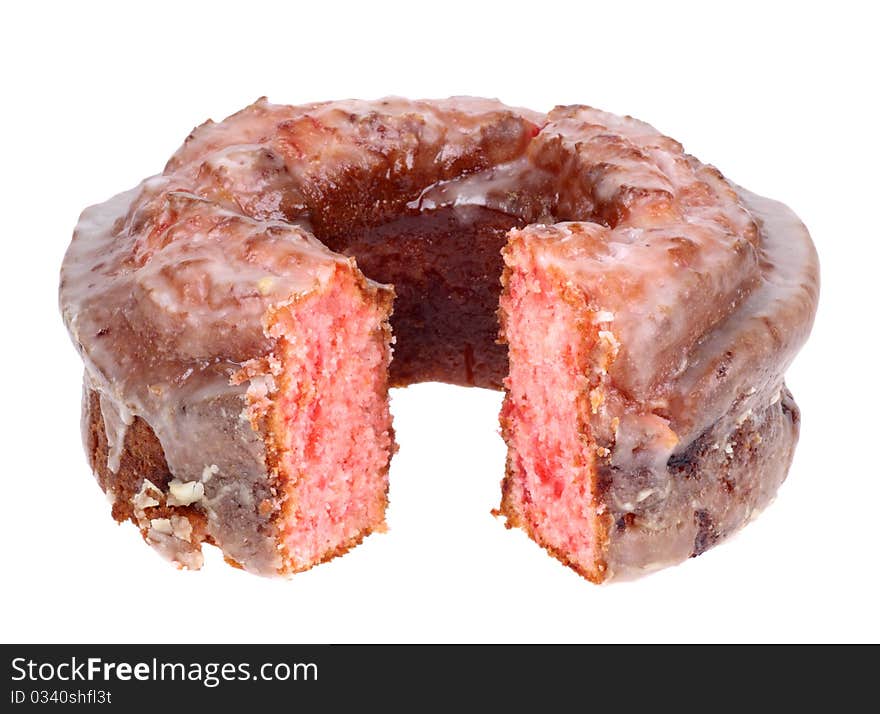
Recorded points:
550,485
332,421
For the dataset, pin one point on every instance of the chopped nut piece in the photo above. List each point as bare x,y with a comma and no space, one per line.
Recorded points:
185,493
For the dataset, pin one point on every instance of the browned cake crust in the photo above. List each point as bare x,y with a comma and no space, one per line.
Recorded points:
142,460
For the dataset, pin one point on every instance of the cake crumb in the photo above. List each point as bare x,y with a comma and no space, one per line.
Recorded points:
162,525
185,493
144,498
181,527
645,493
608,337
264,285
209,471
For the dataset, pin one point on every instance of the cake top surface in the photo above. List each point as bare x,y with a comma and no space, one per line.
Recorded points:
169,284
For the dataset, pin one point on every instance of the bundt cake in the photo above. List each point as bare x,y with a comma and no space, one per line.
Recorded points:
234,314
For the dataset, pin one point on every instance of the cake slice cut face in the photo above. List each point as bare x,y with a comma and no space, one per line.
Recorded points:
238,314
551,487
330,420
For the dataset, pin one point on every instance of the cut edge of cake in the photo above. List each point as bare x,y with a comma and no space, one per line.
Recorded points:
320,399
558,356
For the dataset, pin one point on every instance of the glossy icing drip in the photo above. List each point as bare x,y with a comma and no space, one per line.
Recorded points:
117,419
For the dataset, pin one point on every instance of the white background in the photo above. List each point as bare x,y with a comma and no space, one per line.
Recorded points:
782,99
